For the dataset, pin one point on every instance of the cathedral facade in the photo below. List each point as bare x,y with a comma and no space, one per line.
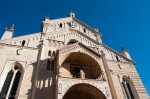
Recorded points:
66,60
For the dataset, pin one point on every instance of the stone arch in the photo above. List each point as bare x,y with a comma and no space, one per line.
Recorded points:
23,43
19,65
86,62
83,91
72,41
49,53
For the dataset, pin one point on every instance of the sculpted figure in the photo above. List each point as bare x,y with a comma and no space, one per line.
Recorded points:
82,74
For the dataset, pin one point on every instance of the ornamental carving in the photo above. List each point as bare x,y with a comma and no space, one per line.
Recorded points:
66,83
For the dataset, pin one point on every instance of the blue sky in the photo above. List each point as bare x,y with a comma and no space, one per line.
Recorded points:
124,22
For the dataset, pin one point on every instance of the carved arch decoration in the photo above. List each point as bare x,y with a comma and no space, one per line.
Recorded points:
84,91
66,84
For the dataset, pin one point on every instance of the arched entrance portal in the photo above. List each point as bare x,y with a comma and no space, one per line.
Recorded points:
84,91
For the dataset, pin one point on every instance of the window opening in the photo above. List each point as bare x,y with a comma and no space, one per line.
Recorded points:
6,85
117,58
60,25
127,89
11,83
84,30
23,42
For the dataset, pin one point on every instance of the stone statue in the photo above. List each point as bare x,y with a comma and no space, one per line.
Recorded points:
82,74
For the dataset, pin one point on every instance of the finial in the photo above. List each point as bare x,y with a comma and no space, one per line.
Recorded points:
8,33
95,28
47,17
122,48
72,14
12,27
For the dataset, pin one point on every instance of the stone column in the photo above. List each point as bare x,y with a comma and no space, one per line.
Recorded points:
110,82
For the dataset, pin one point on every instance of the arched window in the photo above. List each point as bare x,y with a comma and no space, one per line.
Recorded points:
11,83
50,65
84,30
127,89
6,84
72,41
49,53
51,62
60,25
23,42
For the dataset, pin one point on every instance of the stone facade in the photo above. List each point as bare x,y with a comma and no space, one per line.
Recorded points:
48,65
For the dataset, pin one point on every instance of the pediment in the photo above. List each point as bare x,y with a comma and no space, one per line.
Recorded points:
79,47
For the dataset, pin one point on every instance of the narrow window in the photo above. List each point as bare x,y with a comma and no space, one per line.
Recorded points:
49,53
127,88
130,91
60,25
23,42
84,30
48,65
6,85
15,85
117,58
11,84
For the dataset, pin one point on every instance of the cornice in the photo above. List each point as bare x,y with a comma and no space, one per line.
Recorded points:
72,19
105,46
21,37
85,25
17,46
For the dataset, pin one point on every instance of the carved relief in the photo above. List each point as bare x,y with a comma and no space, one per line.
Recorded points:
67,83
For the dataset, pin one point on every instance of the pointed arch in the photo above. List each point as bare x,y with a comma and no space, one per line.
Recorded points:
129,88
11,83
23,43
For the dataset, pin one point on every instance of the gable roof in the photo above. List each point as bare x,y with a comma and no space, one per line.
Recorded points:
81,45
119,54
